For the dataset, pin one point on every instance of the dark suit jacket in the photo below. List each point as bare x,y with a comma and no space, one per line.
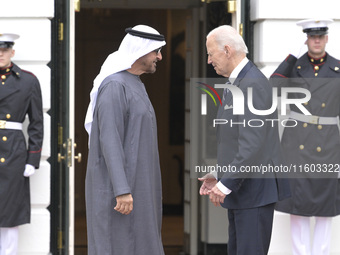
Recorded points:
241,145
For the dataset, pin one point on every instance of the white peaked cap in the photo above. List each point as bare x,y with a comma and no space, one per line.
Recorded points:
8,37
315,26
7,40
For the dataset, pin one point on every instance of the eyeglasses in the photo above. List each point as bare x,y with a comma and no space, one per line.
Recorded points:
158,50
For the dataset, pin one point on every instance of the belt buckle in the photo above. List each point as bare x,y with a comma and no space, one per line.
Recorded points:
314,119
2,124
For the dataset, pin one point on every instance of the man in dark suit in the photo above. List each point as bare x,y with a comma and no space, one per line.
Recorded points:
249,198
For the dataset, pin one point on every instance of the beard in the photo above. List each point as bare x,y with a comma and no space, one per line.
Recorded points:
149,67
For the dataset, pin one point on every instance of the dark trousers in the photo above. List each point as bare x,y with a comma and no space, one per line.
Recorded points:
250,230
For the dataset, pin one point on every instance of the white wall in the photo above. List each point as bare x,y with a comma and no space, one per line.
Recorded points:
30,19
275,36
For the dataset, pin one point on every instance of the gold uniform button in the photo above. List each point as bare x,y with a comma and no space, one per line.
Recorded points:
3,77
8,116
316,74
319,127
301,147
305,125
2,160
4,138
323,105
318,149
316,68
299,67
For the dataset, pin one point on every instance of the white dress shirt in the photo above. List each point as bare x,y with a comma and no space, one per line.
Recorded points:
232,78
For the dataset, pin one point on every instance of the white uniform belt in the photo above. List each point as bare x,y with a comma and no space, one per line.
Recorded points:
4,124
312,119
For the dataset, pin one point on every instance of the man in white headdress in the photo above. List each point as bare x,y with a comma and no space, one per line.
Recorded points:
123,179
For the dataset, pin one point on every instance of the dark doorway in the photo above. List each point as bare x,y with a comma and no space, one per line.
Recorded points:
99,33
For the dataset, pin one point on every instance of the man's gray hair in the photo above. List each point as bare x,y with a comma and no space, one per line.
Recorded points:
227,35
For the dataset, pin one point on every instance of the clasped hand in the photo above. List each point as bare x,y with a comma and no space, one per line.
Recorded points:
209,188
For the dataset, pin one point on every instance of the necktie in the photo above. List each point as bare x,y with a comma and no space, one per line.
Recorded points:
225,91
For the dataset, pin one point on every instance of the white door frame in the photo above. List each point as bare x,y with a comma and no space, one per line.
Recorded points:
71,124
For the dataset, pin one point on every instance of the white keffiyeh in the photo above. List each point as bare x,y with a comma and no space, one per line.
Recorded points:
131,48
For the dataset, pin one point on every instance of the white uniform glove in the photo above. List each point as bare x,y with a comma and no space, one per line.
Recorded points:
29,170
301,47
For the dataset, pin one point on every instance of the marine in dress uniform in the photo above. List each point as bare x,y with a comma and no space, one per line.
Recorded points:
20,95
314,143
